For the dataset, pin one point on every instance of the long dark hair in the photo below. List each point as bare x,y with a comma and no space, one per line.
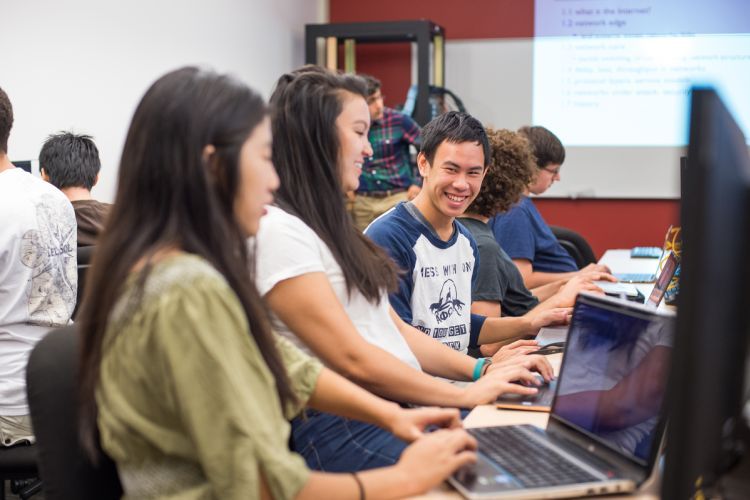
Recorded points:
304,108
170,196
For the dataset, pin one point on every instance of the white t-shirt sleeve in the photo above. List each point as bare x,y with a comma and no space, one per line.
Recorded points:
285,248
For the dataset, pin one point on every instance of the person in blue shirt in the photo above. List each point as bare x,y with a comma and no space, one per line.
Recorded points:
523,233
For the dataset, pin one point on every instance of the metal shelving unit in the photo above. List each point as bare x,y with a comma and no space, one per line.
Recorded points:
424,33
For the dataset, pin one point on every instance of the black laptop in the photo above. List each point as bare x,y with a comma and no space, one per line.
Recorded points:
607,418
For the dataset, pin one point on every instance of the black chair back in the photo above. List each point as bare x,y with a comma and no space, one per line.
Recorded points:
51,378
18,462
575,244
84,255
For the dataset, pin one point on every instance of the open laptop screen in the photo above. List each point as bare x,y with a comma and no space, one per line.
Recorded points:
614,375
668,268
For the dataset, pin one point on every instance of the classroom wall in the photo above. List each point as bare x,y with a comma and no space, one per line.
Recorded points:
605,222
84,64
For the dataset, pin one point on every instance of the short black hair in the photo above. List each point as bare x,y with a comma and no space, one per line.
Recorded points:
373,84
455,127
546,146
6,120
70,160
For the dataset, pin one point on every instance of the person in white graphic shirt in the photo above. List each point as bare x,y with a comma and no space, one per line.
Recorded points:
38,277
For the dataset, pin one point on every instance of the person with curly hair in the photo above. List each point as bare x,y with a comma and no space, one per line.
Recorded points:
523,233
500,289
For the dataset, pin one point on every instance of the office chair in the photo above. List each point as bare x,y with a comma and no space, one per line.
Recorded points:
51,384
84,255
575,244
19,462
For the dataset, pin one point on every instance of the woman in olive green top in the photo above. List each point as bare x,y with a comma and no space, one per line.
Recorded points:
182,382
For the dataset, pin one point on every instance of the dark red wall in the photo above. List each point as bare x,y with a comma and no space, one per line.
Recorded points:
605,223
613,223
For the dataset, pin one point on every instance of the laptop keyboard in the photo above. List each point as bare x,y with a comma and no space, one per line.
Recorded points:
532,463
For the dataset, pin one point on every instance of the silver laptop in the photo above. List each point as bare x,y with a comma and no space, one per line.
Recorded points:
644,277
664,274
607,417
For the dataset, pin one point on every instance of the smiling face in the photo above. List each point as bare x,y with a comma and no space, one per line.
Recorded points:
544,179
352,126
451,182
258,179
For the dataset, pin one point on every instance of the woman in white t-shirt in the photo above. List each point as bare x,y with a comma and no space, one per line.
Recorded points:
327,284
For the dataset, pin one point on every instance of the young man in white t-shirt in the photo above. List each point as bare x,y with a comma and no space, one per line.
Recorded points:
38,277
438,254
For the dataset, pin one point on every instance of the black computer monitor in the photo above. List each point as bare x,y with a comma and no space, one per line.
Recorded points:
25,165
683,173
706,388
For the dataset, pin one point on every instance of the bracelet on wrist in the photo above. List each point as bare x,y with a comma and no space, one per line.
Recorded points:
487,363
478,369
360,485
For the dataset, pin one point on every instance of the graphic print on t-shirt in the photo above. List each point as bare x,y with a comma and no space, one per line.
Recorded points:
441,298
48,250
447,303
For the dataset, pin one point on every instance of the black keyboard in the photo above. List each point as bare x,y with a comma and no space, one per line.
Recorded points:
532,463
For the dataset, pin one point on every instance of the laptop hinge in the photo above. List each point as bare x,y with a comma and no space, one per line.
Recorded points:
587,448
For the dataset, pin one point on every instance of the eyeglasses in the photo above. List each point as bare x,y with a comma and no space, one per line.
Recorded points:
553,171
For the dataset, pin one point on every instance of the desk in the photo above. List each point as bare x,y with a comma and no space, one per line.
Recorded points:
619,261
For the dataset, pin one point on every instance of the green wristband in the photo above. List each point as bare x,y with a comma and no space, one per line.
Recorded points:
478,369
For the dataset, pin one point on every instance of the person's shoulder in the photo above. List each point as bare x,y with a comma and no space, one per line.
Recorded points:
394,220
92,203
94,207
465,235
518,214
27,196
25,185
396,227
186,284
480,231
392,113
395,115
527,205
187,297
277,219
463,230
183,273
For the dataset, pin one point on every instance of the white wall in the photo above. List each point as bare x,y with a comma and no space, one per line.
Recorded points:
83,65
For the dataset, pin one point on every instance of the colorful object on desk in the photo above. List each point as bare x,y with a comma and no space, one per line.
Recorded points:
673,242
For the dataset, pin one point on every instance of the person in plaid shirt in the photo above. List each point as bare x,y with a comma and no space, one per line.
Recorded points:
388,176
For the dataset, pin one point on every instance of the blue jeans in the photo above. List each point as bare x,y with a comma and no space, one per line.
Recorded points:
336,444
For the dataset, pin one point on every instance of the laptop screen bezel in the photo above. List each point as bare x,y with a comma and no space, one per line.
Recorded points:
557,424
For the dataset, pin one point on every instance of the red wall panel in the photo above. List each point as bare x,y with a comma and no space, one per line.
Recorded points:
391,64
461,19
613,223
